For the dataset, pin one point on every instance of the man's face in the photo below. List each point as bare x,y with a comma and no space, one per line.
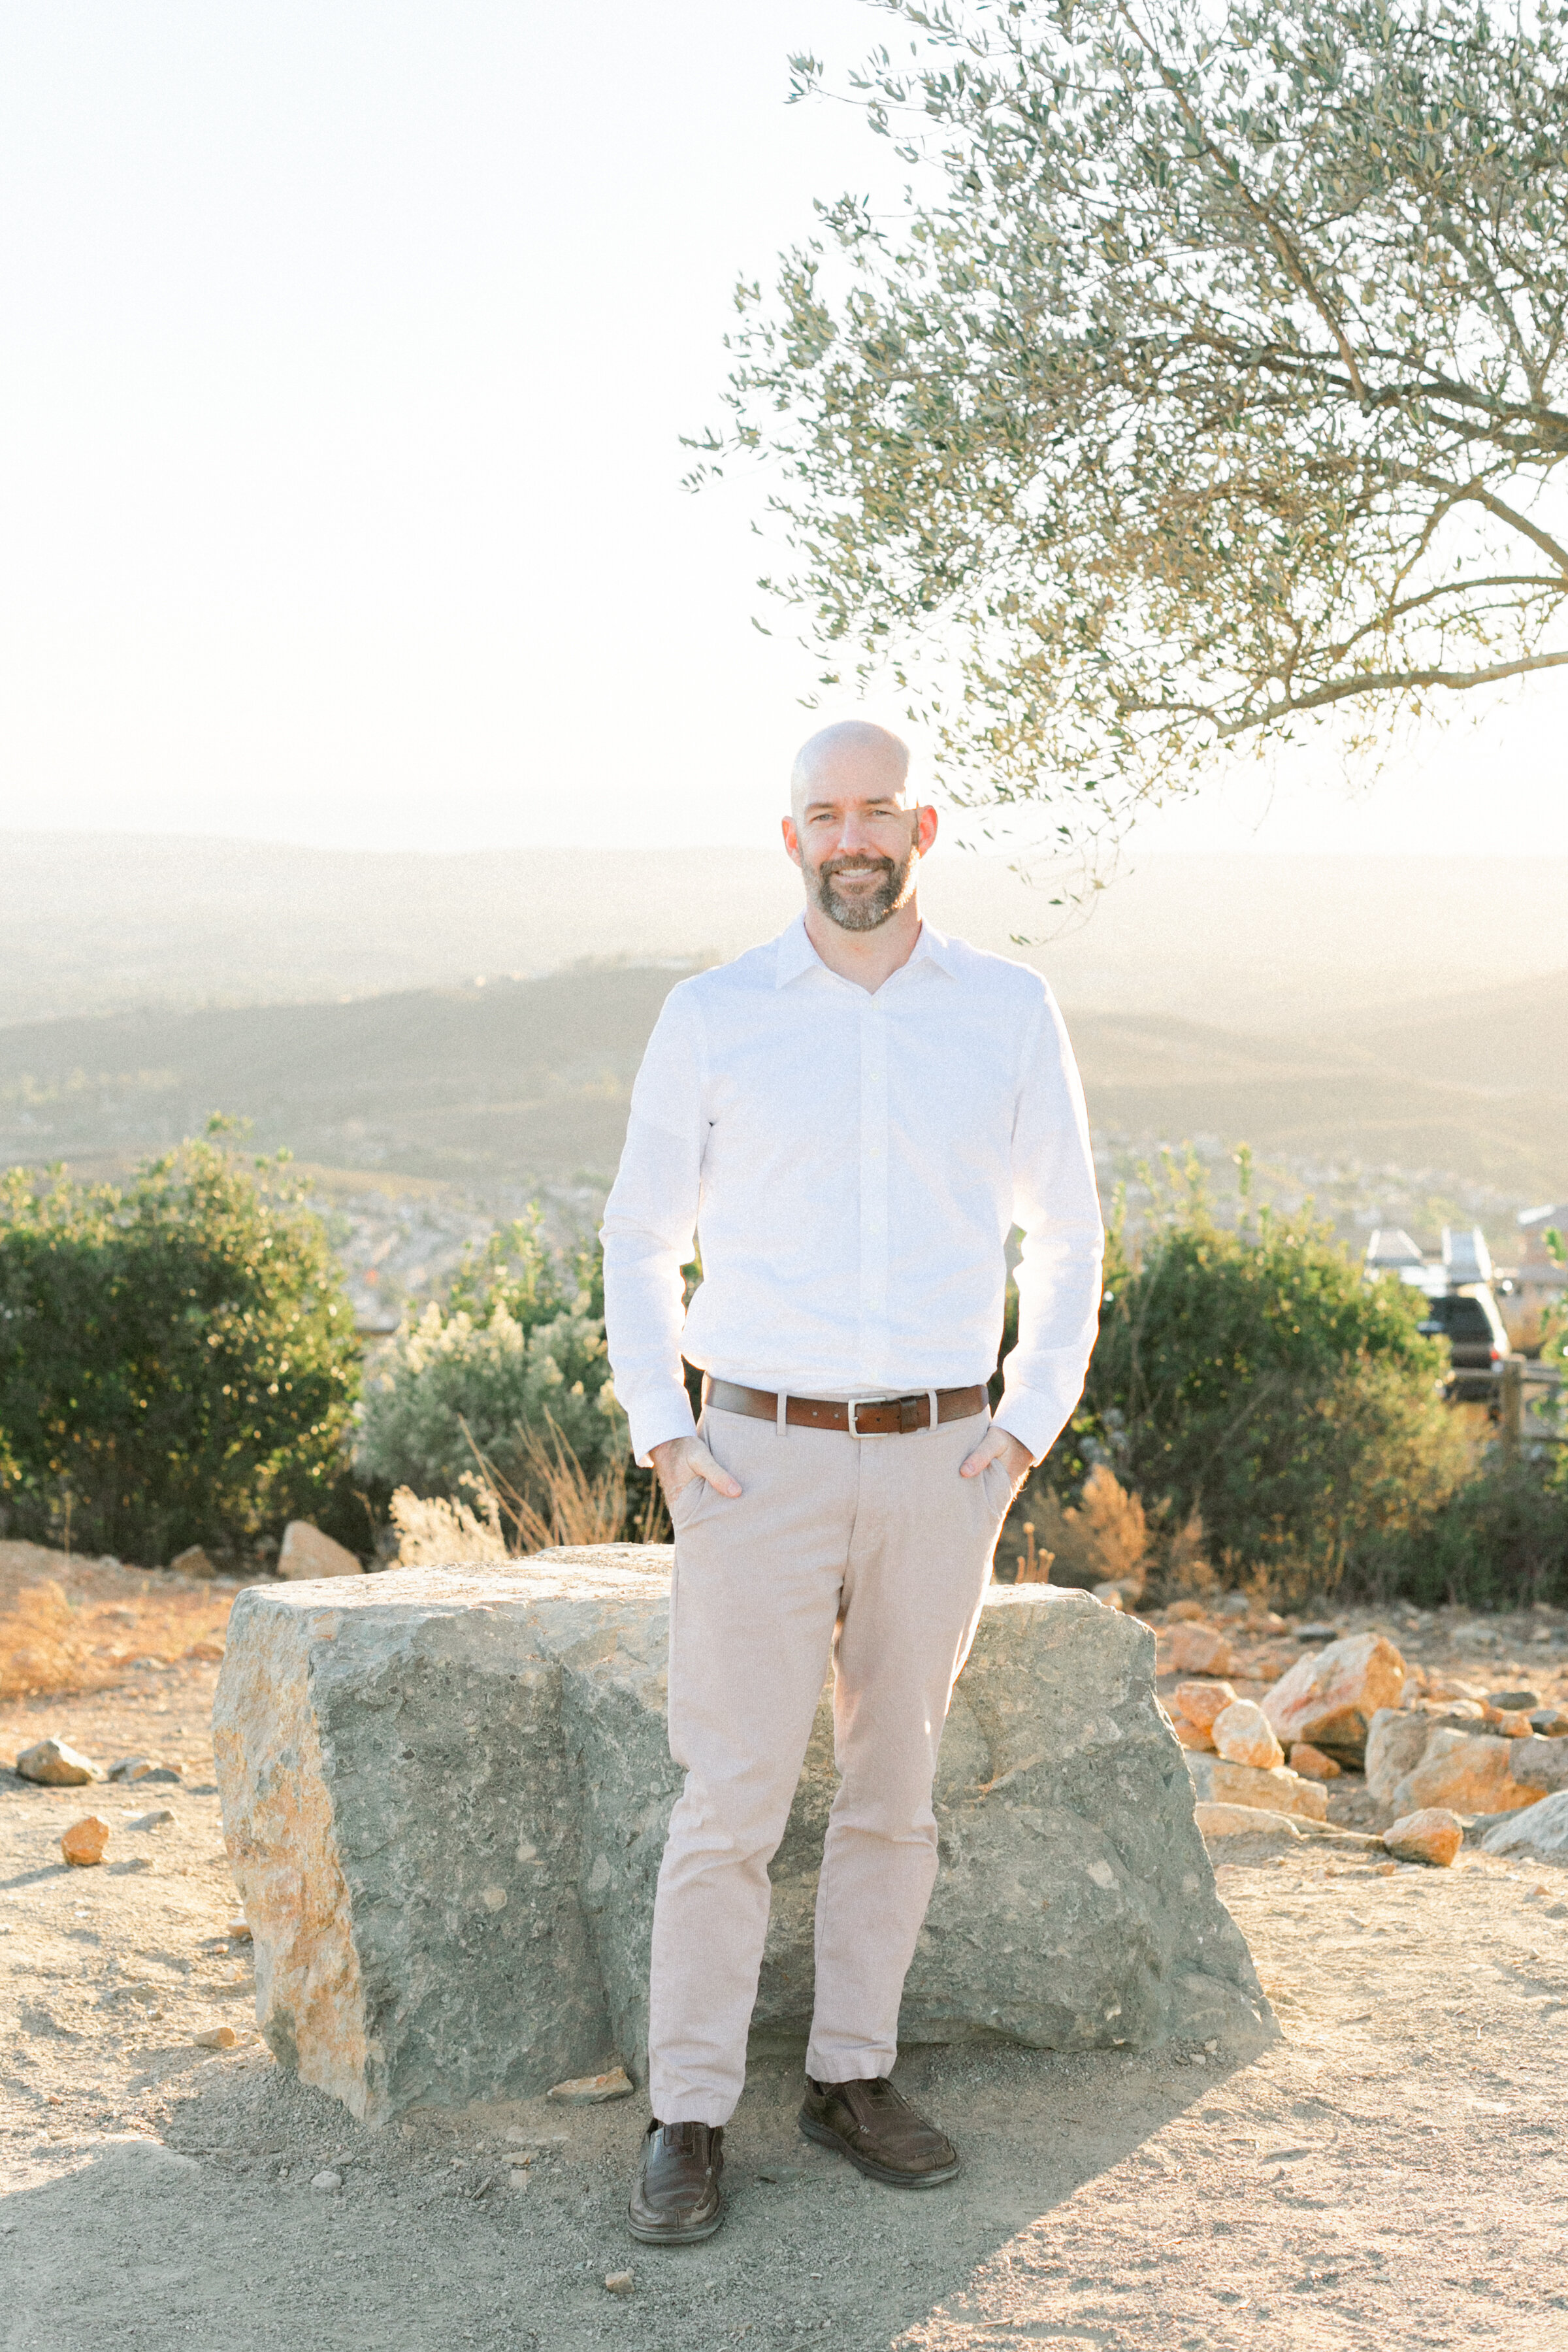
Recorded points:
857,849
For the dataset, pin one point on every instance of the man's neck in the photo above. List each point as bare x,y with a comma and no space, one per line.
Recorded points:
865,958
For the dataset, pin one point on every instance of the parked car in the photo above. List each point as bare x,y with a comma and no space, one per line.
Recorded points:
1469,1321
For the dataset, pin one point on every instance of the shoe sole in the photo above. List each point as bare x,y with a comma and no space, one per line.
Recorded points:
677,2237
873,2171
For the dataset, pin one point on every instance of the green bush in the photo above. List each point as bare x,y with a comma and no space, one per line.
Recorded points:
520,1344
1256,1376
177,1359
1500,1542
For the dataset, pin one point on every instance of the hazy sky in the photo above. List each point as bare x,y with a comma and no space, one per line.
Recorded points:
347,349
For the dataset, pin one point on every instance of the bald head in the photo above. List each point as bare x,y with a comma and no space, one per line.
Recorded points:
854,758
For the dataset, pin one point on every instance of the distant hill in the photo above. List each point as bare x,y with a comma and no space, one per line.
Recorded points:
104,924
520,1080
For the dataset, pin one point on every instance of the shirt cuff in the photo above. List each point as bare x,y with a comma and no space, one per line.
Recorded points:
1033,1417
663,1417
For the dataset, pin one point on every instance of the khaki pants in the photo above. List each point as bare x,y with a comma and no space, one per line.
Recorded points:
872,1550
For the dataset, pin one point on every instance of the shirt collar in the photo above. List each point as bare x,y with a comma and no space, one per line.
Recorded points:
797,955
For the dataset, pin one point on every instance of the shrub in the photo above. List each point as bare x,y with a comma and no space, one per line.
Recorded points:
177,1359
1255,1379
517,1352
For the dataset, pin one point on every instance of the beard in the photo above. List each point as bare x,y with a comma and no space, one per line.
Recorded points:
866,910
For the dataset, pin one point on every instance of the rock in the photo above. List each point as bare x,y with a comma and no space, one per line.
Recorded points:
1216,1782
593,2090
1395,1742
1542,1830
55,1766
239,1931
1202,1701
1189,1735
1242,1820
1242,1734
84,1842
1109,1596
1550,1721
216,2037
1510,1724
445,1792
155,1821
1511,1701
1469,1774
192,1562
1197,1649
1317,1633
1540,1764
1331,1699
130,1769
1181,1613
307,1553
1433,1834
324,2183
1311,1763
618,2282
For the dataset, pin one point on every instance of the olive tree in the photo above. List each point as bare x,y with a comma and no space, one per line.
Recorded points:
1211,380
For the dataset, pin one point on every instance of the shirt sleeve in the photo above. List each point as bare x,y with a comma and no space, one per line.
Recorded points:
1056,1202
650,1226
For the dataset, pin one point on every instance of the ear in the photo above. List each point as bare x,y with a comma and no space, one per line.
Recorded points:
791,839
925,826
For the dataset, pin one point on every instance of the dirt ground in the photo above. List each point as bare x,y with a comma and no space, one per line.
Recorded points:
1391,2171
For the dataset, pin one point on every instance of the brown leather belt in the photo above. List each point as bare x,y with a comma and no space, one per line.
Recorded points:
888,1417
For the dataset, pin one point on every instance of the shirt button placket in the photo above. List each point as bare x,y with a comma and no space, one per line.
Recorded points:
873,1193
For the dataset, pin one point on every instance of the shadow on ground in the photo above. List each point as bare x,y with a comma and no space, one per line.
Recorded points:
216,2237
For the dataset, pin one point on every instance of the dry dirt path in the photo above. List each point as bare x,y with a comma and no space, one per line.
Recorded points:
1391,2172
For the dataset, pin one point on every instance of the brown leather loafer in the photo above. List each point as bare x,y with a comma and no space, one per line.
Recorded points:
878,2131
678,2200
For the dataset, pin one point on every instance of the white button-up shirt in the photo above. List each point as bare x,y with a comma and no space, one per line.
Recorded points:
851,1167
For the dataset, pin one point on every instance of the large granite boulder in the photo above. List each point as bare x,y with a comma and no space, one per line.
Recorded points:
445,1793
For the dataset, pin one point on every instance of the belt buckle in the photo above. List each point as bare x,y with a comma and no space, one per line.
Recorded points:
849,1408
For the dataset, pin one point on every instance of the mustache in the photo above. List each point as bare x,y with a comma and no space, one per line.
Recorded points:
856,866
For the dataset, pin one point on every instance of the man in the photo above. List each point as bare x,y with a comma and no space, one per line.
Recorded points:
850,1122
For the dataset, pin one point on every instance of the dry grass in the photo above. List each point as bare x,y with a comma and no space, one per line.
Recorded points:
69,1624
561,1504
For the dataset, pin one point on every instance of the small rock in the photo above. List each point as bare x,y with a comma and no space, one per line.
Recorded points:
592,2090
1512,1701
618,2282
326,2182
1181,1613
1188,1733
155,1820
130,1768
1198,1650
1244,1735
1329,1699
307,1552
1463,1771
55,1766
239,1931
1543,1829
216,2037
1434,1834
1108,1595
1202,1701
1317,1633
1550,1722
136,1861
1510,1724
84,1842
1242,1820
1312,1762
192,1562
1216,1782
